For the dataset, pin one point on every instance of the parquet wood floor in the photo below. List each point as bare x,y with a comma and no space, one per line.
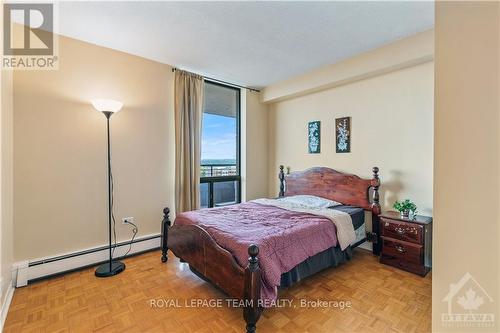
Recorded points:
384,299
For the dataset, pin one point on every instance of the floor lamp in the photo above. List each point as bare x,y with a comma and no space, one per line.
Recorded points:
112,267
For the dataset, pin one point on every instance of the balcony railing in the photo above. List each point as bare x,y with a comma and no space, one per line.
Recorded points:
220,185
218,170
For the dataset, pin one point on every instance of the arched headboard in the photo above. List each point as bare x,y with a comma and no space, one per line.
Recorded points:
330,184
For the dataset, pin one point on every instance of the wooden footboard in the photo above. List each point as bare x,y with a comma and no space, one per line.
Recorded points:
195,246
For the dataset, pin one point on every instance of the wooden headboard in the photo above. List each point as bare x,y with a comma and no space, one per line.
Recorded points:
334,185
330,184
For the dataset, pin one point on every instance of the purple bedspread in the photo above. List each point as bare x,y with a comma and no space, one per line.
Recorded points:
285,238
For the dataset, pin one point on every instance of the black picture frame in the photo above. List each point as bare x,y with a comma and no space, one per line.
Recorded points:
343,135
314,137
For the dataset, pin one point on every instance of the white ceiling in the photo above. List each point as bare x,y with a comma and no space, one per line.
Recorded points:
250,43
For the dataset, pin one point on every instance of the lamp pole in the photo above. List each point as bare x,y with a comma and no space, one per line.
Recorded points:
110,268
108,115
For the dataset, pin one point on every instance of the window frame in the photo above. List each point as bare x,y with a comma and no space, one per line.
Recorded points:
237,178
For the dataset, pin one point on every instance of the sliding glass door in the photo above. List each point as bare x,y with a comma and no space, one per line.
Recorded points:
220,146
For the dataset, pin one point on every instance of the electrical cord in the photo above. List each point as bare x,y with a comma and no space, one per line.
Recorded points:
134,230
113,209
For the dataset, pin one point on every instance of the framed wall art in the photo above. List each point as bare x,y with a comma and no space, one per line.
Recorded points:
343,135
314,137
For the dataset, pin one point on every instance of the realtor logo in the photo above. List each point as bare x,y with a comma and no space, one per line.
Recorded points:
38,22
466,302
28,36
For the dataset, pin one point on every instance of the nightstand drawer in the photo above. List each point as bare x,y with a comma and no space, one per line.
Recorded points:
406,244
405,265
403,251
405,231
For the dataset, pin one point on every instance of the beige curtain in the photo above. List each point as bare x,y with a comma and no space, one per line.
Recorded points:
188,114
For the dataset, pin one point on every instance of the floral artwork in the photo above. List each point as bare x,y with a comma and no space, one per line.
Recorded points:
314,131
343,135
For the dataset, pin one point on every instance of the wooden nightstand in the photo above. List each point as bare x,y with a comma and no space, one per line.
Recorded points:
406,244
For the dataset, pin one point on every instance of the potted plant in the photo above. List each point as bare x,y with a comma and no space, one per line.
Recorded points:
405,208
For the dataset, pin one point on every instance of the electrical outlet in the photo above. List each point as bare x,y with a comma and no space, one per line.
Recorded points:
129,219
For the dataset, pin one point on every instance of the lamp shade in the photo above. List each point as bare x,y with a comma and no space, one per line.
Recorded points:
107,105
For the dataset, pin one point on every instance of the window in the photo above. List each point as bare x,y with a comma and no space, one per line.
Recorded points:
220,146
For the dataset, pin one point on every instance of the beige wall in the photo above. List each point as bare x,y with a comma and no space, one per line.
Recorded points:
6,178
6,181
392,128
254,146
467,148
60,149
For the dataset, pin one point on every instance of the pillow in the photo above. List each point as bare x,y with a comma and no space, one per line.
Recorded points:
311,201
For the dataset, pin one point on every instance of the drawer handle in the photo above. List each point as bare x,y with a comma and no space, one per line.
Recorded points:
400,249
400,231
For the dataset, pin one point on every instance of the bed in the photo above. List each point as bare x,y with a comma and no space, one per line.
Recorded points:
250,249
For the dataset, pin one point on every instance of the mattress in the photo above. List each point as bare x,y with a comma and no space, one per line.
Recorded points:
331,257
357,214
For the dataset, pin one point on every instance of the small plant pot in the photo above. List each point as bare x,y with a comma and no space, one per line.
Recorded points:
405,214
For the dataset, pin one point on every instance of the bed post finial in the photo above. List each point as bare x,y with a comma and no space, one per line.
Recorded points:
251,294
376,210
282,181
375,183
165,224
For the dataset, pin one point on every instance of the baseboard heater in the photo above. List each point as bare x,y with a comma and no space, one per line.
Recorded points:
34,270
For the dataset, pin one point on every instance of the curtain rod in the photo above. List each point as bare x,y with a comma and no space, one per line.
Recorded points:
220,81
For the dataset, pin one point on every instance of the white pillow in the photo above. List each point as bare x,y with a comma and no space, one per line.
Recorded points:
311,201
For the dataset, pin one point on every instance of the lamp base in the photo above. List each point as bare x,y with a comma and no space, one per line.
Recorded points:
116,268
